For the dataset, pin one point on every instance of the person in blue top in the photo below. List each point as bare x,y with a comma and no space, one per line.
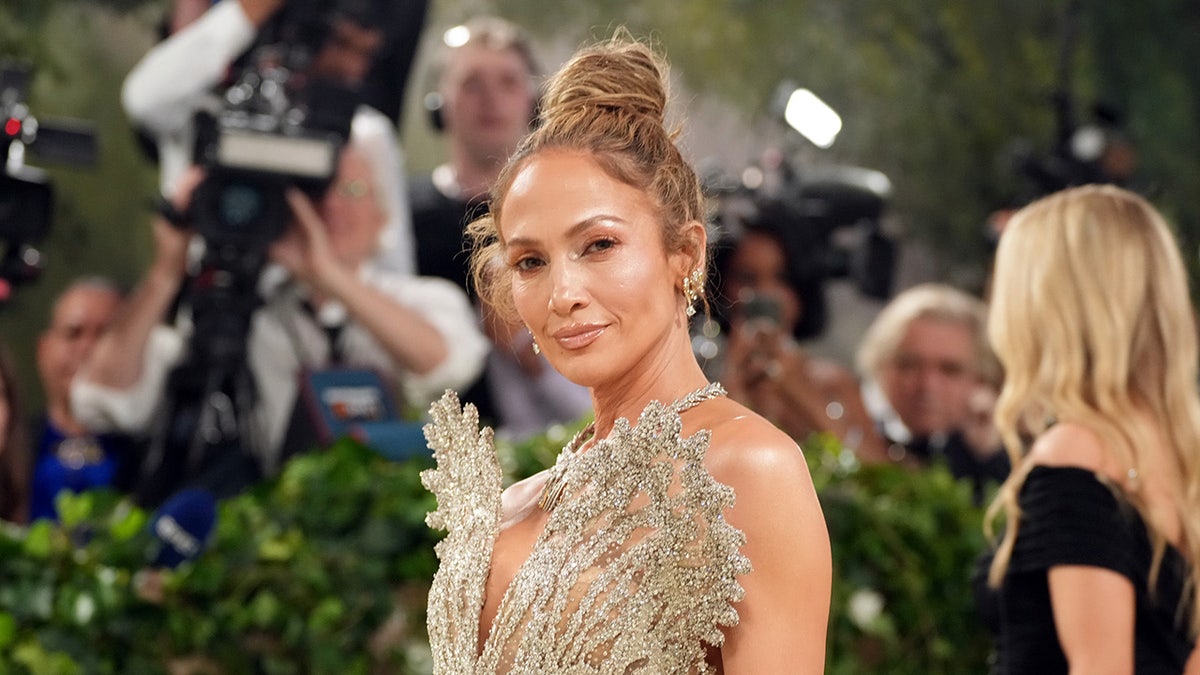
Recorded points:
67,455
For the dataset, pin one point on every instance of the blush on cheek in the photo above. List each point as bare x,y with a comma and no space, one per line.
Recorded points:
625,281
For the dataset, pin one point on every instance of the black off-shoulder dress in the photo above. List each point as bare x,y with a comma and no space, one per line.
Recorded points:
1070,517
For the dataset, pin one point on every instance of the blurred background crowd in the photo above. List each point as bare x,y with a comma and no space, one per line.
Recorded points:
860,161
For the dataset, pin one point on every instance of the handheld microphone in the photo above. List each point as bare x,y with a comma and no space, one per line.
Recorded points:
181,527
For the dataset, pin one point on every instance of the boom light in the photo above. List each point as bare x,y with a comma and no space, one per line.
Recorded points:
812,117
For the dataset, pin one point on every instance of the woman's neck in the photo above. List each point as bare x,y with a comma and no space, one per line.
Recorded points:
672,375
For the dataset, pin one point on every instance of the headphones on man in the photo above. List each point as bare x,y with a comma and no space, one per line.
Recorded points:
433,107
496,33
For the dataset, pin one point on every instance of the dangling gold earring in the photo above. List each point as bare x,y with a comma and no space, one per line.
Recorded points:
693,290
536,349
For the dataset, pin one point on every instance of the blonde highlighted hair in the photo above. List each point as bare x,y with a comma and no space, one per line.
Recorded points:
1092,321
609,101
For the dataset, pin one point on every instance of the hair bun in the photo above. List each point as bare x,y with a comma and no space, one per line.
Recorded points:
621,77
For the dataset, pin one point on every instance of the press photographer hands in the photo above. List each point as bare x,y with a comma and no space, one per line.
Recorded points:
770,372
305,250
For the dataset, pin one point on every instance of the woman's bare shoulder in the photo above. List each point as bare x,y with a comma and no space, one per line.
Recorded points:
1069,444
746,448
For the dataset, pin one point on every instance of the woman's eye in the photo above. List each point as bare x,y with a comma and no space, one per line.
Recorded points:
600,245
527,263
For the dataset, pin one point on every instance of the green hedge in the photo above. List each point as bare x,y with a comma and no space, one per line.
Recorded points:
320,571
324,570
904,546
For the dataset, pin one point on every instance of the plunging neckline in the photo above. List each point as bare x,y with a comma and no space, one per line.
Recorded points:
598,446
637,567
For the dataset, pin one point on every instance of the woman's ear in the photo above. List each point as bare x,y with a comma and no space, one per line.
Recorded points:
695,247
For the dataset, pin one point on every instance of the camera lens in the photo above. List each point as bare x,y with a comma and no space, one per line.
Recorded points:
240,205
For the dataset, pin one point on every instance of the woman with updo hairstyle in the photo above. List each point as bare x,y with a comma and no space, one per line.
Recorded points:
1092,321
678,533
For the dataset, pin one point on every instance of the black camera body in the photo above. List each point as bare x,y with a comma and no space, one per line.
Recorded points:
26,193
266,136
26,205
274,126
829,220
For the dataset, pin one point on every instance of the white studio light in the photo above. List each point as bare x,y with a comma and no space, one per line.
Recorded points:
812,117
456,36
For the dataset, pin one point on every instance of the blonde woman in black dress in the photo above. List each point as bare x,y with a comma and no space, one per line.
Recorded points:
1091,319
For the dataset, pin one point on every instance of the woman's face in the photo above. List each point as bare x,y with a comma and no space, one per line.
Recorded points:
758,267
591,276
351,210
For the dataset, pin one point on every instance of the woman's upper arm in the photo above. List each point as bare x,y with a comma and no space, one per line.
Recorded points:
1193,663
1094,617
784,615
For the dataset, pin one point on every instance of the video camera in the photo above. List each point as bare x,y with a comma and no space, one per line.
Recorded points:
26,193
273,127
829,220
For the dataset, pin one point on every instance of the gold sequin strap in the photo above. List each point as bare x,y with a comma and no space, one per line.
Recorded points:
467,483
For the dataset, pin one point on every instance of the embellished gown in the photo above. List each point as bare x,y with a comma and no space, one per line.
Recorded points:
635,571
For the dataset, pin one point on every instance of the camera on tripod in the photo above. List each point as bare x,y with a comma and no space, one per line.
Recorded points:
275,126
26,193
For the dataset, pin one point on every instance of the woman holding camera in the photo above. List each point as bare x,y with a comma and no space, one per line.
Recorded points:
762,363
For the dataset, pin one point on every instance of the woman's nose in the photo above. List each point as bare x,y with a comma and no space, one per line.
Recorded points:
569,289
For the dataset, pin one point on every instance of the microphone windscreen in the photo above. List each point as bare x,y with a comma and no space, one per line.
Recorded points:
181,527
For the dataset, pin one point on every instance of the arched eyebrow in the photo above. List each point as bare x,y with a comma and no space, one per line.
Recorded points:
574,231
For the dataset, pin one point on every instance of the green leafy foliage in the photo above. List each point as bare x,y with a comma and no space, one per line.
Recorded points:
904,547
325,570
320,571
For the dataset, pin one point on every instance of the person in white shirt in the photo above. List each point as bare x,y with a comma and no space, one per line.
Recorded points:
175,79
420,332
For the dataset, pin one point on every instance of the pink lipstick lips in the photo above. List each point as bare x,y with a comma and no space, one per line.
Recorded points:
577,336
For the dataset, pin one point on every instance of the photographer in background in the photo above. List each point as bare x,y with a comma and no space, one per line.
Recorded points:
930,381
762,363
175,79
338,305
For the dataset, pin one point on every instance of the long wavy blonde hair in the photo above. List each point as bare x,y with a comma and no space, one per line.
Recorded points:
1092,322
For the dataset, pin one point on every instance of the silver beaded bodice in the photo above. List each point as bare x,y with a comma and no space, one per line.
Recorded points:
635,571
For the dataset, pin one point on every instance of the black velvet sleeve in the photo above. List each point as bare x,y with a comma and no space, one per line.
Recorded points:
1070,517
